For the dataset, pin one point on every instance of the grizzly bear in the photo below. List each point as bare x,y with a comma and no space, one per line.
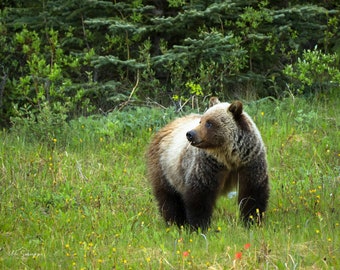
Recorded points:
196,158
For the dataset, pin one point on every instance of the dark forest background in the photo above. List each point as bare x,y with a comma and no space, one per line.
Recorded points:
68,58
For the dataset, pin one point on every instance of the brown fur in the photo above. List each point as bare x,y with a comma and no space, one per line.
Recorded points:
194,159
213,101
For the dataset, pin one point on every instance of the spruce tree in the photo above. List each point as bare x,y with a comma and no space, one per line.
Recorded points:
107,52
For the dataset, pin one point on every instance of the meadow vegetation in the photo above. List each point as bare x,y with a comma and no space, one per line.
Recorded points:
74,195
81,83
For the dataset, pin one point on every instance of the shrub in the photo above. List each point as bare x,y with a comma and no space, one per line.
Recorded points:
315,71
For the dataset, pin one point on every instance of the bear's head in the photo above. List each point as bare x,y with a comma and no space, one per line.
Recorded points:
220,126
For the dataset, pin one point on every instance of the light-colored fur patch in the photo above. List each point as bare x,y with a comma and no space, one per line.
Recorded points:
173,148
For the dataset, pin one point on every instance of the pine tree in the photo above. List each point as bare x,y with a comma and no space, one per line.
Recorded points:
106,52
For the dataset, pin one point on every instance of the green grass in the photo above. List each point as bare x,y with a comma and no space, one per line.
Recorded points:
82,200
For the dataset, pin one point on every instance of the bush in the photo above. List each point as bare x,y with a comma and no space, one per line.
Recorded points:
315,71
49,125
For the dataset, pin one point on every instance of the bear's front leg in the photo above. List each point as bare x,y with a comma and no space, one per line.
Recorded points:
170,204
199,206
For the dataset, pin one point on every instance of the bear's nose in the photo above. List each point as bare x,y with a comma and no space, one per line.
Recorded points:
191,135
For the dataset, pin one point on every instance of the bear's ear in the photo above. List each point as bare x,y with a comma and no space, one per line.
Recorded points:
213,101
236,109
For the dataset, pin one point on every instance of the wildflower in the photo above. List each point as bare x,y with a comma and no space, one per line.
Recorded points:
185,253
246,246
54,140
148,259
262,113
238,255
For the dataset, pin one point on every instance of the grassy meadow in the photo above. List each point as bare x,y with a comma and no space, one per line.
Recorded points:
76,196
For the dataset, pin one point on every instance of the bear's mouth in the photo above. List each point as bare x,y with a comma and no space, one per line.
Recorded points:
196,144
192,138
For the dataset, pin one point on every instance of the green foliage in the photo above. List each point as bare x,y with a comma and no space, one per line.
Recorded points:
176,3
45,126
44,76
95,55
86,201
314,71
195,89
45,88
121,125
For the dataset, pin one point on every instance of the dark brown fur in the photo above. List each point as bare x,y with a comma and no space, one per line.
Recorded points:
225,151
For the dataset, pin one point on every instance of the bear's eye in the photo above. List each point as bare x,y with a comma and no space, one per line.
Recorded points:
208,124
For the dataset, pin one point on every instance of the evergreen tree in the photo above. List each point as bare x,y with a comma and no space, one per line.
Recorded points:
96,54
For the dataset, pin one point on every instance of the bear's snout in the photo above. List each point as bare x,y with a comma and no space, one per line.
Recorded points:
191,135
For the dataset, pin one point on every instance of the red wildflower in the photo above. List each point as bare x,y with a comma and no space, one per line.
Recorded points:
185,253
238,255
246,246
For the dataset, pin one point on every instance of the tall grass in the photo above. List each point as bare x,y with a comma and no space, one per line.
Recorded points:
82,200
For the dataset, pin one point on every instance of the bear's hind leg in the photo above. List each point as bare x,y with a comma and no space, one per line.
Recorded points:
170,204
